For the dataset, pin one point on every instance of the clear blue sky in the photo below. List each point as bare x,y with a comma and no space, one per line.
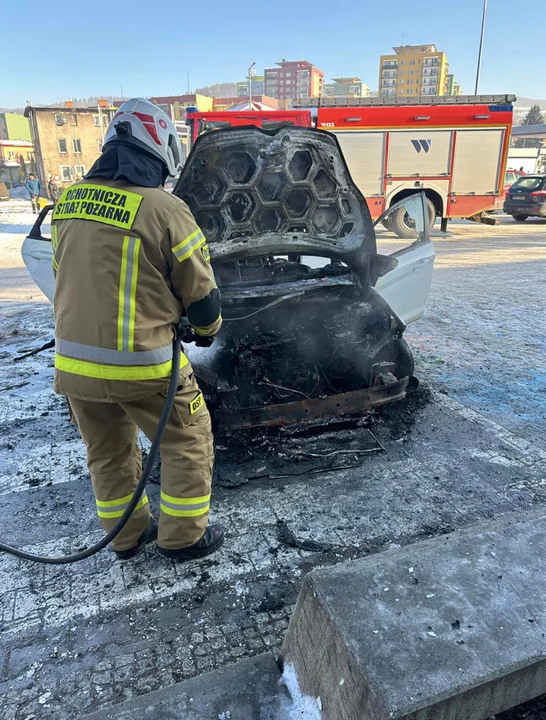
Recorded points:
56,50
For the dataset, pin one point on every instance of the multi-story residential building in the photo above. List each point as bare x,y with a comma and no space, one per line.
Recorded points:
14,127
413,70
258,86
452,86
175,105
292,79
67,140
346,87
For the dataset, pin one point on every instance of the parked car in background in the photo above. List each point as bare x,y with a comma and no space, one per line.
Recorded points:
510,177
527,198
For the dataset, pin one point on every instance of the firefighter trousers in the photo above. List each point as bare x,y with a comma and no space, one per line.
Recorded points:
110,433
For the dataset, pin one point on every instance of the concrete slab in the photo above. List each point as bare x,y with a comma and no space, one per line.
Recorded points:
249,690
448,629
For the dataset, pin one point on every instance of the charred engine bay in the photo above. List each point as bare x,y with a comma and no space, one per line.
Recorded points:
290,334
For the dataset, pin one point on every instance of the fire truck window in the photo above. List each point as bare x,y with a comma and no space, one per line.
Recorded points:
274,124
207,126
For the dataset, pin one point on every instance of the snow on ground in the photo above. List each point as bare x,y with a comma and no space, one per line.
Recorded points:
302,706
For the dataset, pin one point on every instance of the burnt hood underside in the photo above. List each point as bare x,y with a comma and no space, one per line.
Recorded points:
255,192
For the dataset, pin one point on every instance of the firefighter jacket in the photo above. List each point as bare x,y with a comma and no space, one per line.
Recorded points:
129,261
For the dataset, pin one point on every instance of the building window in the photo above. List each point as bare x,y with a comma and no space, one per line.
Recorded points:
410,72
59,120
402,82
412,62
410,91
80,170
402,62
401,73
65,173
402,91
73,119
77,146
62,145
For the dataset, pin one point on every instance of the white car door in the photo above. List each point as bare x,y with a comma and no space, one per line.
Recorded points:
37,254
406,288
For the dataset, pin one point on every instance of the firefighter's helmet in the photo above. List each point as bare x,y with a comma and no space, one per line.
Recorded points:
141,123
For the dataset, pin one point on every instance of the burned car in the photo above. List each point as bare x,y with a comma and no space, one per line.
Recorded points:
306,334
314,315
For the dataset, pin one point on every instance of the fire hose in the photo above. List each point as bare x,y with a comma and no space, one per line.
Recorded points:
186,334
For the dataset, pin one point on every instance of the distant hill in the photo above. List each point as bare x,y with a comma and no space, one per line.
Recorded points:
523,105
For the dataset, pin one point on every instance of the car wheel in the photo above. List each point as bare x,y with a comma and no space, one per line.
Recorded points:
397,352
400,223
520,218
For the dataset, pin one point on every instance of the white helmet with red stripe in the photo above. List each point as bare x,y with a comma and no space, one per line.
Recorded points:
141,123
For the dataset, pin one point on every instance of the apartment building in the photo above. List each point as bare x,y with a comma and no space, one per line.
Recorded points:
258,86
346,87
67,140
413,70
452,86
293,79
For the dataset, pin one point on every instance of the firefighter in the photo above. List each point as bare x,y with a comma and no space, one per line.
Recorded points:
129,260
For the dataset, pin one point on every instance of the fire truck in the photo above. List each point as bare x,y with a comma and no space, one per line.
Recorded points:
454,149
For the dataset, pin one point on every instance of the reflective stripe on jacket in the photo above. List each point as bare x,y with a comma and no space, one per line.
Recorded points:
128,261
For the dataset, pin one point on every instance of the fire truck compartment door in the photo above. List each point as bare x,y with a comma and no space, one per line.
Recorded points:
478,155
407,287
420,152
364,152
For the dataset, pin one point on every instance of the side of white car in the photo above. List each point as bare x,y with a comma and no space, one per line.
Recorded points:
406,287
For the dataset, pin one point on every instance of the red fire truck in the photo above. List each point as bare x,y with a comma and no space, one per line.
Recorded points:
455,149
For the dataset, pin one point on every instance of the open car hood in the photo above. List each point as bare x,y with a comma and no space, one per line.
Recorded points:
287,191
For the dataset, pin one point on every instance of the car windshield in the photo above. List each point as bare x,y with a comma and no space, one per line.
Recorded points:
528,183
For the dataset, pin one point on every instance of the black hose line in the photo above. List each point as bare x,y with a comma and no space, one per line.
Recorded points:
148,466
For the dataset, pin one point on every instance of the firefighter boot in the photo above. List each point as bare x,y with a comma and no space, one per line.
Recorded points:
211,541
149,535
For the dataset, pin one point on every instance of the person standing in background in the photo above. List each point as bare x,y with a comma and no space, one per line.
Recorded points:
34,188
53,189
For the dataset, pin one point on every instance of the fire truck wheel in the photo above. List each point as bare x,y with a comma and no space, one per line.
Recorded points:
400,223
520,218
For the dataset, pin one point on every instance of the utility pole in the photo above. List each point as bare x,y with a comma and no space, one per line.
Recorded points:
481,47
250,85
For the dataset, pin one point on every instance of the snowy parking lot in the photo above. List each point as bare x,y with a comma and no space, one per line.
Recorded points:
468,445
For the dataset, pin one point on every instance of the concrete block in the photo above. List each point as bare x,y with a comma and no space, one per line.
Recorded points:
447,629
247,690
